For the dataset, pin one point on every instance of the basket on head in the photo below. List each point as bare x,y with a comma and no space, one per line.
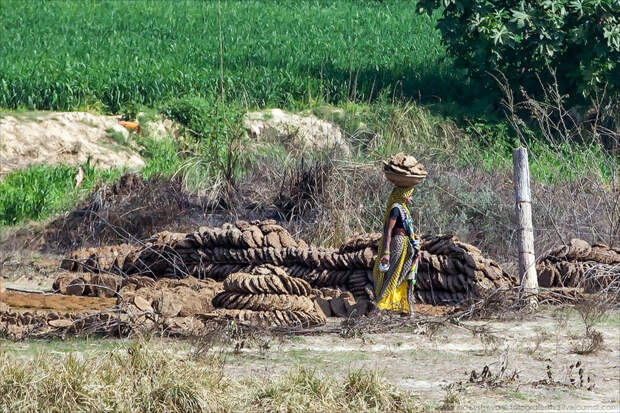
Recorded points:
404,171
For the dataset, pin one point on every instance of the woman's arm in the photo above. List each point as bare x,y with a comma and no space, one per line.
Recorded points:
387,238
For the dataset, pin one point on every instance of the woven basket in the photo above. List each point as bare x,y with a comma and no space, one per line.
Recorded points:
402,180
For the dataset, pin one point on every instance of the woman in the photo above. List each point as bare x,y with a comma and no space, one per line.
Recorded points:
398,249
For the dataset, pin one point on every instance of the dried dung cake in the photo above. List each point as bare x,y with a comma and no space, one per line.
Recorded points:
450,271
404,170
268,298
579,264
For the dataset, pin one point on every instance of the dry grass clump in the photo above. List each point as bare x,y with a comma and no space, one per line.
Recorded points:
136,379
140,378
305,390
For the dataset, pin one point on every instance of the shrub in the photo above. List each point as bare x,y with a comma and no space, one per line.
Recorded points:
217,129
522,38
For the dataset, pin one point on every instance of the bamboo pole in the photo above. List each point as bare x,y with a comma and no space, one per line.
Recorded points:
523,207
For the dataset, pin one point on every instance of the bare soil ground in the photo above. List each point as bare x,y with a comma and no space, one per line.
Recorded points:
436,366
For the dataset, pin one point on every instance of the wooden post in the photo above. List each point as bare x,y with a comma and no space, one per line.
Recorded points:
523,206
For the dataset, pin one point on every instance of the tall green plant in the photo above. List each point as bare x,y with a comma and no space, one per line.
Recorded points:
580,39
217,129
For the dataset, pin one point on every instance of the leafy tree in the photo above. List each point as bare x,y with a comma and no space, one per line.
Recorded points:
579,39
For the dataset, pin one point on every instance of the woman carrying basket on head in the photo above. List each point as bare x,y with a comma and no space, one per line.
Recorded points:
397,260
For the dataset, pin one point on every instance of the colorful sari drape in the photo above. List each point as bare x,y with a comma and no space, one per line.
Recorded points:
393,290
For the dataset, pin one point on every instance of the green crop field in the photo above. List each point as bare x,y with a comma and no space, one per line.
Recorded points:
77,54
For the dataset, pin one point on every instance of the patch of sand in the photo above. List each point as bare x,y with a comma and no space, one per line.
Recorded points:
63,138
302,132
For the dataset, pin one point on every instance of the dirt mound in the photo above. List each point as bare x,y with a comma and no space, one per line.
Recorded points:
579,264
69,138
302,132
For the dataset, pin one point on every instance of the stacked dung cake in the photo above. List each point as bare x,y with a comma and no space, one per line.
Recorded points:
404,170
268,297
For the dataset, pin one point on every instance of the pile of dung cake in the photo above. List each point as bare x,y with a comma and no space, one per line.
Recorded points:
450,271
20,325
580,264
218,252
166,297
268,297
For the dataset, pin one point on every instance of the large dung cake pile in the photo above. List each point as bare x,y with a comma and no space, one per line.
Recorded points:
450,271
579,264
268,297
218,252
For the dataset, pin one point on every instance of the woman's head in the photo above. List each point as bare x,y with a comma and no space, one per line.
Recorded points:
401,195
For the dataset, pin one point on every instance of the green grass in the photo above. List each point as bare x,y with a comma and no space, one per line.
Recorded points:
40,190
64,55
162,157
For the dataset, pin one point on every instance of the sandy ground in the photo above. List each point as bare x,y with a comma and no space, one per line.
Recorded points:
428,365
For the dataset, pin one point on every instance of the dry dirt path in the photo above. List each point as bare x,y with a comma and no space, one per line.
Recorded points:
426,366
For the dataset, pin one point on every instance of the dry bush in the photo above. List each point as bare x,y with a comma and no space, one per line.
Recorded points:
590,343
585,202
541,336
128,210
592,311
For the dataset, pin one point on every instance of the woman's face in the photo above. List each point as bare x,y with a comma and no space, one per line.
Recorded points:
409,199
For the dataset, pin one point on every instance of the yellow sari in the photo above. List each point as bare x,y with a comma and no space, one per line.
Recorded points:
395,296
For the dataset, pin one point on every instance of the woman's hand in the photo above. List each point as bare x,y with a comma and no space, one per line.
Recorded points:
385,259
